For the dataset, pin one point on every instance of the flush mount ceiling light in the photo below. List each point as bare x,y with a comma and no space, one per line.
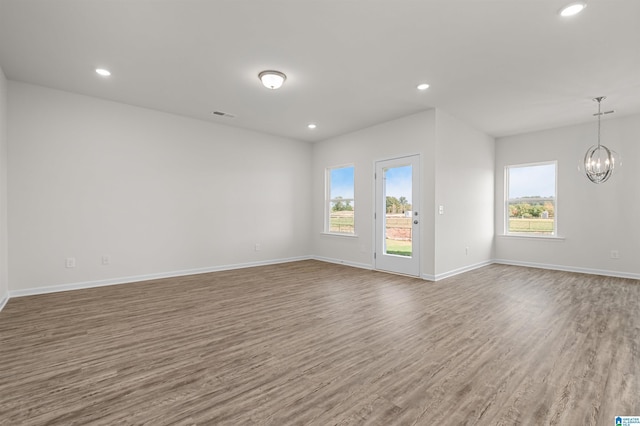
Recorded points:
103,72
573,9
422,86
272,79
311,126
600,161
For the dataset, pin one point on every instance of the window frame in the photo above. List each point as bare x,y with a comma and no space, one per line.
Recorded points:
329,200
507,201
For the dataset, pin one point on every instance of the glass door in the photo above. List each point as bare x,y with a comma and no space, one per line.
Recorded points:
397,217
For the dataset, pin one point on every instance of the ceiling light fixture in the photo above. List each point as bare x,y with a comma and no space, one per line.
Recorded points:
422,86
272,79
103,72
573,9
311,126
599,161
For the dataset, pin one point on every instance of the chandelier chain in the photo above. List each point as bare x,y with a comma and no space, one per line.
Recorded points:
599,117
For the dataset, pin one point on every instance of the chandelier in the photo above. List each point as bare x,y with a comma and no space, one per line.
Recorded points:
600,161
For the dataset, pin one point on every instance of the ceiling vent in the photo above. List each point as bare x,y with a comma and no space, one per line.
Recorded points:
222,114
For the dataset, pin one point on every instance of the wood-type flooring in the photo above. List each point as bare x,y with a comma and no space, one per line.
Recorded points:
322,344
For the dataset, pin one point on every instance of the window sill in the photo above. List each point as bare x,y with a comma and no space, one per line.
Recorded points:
531,237
335,234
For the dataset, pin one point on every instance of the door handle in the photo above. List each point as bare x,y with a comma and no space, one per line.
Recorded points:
415,222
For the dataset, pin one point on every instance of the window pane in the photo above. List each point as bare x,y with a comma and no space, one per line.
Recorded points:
397,193
532,181
531,204
341,183
341,217
532,216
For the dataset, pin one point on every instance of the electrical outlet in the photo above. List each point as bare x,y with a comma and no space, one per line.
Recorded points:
106,260
440,209
70,262
257,247
615,254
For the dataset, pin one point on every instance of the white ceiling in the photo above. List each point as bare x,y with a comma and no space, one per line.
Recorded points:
503,66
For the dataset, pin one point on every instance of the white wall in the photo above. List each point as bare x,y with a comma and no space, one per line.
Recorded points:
414,134
457,171
163,194
158,193
592,219
4,286
465,188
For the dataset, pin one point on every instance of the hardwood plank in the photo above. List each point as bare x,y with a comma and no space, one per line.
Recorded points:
316,343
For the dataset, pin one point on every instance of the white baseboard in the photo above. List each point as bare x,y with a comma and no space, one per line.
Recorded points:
426,277
343,262
461,270
590,271
438,277
147,277
3,302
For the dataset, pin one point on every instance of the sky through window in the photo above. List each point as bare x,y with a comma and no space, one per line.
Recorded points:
532,181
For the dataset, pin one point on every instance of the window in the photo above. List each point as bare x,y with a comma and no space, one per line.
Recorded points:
340,203
531,199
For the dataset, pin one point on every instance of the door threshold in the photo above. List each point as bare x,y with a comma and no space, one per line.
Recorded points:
396,273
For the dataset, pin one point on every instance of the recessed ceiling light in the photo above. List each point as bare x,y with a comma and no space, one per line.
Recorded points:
423,86
311,126
573,9
272,79
103,72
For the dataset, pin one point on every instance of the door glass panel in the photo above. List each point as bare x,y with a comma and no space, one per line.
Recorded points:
398,217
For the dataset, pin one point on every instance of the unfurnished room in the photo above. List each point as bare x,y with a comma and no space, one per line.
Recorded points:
319,212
